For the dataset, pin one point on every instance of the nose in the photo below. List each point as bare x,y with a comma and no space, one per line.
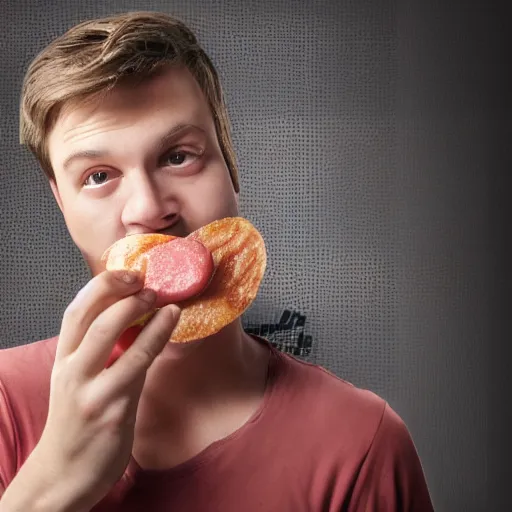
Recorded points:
148,206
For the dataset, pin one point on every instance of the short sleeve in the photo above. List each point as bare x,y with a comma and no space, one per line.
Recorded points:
391,478
8,444
25,375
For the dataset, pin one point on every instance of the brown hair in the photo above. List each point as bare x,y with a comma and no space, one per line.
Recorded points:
90,58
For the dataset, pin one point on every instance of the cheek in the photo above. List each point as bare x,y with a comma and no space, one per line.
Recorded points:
213,198
91,227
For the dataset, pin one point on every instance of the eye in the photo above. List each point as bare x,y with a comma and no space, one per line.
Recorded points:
179,157
96,179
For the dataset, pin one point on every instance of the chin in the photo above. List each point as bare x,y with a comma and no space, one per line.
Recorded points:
178,351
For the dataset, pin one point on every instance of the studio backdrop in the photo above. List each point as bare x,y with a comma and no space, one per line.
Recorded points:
362,130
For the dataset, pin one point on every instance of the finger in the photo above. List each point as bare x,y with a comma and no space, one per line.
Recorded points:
97,295
125,340
140,355
93,353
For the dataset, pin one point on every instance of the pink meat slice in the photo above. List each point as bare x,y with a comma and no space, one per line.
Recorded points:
178,270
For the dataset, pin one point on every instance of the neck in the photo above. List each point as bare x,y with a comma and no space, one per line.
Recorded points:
198,393
223,366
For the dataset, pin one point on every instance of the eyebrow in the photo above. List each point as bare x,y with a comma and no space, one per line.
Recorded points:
92,154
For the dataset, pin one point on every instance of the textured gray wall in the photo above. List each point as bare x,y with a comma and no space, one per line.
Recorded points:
362,130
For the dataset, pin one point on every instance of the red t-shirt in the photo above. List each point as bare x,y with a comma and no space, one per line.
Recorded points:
317,443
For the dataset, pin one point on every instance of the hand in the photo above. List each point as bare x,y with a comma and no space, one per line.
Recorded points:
88,437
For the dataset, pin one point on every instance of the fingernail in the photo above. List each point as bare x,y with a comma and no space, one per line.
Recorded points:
147,295
175,311
128,277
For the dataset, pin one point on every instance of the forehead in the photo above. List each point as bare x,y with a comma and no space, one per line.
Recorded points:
170,97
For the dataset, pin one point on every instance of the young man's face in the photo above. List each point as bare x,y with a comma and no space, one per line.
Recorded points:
146,159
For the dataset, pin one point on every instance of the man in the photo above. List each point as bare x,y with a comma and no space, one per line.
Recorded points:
126,117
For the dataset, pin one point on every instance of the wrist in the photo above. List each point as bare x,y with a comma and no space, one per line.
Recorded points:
35,489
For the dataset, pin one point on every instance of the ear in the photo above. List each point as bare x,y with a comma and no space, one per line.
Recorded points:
56,194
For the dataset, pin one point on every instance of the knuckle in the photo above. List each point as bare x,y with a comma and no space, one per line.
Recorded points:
143,357
119,415
107,285
88,404
60,375
146,298
87,408
112,278
73,312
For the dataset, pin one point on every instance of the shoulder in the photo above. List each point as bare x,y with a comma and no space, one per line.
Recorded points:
391,475
329,397
332,419
25,362
364,436
25,373
343,407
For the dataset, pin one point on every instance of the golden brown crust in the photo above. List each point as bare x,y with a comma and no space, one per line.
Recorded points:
239,256
126,253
